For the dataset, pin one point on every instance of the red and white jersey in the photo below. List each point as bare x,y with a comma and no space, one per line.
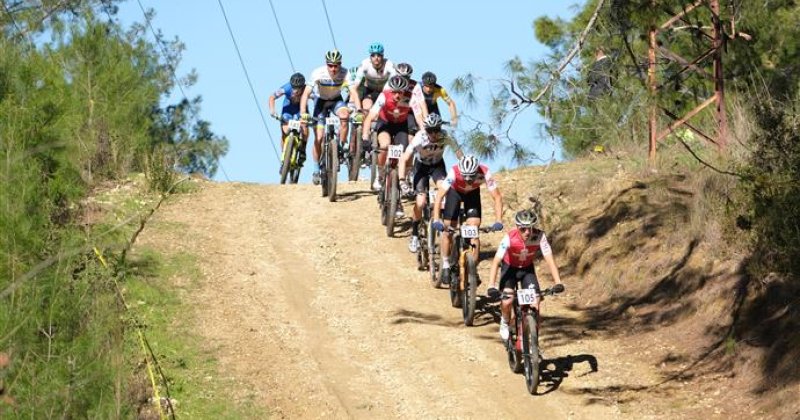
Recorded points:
391,110
456,181
520,254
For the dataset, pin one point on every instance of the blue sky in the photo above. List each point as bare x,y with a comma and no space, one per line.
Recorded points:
446,37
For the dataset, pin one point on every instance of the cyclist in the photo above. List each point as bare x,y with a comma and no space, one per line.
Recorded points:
463,184
419,109
428,149
329,81
374,72
516,252
433,92
392,111
291,92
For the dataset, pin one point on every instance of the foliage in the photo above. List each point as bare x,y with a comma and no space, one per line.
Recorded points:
77,101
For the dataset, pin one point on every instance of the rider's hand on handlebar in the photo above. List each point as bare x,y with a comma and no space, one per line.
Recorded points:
276,116
497,226
558,288
493,293
438,225
305,117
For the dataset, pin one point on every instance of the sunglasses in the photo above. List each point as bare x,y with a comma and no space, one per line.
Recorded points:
434,131
376,55
469,178
332,66
525,228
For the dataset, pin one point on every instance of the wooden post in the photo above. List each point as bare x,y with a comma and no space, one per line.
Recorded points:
651,82
719,81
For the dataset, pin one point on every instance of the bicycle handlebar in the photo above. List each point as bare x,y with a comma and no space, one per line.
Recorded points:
484,229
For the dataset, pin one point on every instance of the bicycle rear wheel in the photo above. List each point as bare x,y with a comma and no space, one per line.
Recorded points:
469,294
333,167
530,353
391,199
288,153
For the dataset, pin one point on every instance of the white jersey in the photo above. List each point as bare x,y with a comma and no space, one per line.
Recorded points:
328,87
426,151
373,79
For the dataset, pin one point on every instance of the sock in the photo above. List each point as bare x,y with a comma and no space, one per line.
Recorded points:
415,228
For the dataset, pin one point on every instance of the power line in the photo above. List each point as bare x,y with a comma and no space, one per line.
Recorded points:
249,83
328,18
280,31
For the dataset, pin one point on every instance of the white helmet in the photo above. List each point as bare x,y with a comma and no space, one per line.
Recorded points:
468,165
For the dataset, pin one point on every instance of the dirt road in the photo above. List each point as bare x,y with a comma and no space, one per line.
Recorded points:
318,314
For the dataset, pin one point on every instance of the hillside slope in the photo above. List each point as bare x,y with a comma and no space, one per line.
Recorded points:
315,312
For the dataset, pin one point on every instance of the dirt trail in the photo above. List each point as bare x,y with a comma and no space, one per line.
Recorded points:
316,313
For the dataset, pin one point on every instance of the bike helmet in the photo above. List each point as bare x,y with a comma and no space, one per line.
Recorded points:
468,165
398,83
433,121
526,218
404,69
376,48
297,80
333,57
428,79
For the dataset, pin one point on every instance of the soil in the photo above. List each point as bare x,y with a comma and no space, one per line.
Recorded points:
315,312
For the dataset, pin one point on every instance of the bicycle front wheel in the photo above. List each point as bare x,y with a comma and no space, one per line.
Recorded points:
469,294
530,354
288,152
392,199
433,266
333,167
354,160
455,273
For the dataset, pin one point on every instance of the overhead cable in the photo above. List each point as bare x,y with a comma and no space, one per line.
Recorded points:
328,18
280,31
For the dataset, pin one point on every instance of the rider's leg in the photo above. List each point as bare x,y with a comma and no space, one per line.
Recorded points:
344,117
476,252
318,135
384,139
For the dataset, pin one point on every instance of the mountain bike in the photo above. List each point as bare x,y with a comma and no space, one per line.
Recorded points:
356,159
522,345
329,156
428,251
464,271
389,196
293,152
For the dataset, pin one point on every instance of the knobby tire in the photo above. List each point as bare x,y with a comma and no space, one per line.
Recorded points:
455,269
333,167
288,152
355,154
531,354
469,294
392,197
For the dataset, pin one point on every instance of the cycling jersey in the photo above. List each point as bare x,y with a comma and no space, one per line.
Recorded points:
426,151
456,181
437,92
518,253
391,110
373,79
328,87
291,99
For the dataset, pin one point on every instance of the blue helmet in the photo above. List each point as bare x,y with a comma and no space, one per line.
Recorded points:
376,48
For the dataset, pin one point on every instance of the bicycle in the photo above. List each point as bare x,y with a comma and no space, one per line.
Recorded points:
523,348
293,152
329,156
464,271
357,158
389,196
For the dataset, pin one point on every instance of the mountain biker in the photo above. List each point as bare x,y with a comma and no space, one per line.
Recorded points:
427,146
329,81
433,92
463,184
392,111
419,110
374,72
516,252
291,92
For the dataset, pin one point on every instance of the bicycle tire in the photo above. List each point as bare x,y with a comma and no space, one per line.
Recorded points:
530,354
423,259
354,160
373,168
469,294
288,151
433,267
514,355
333,167
391,200
455,295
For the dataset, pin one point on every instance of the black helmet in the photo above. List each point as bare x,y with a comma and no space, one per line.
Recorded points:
428,79
433,121
333,57
398,83
297,80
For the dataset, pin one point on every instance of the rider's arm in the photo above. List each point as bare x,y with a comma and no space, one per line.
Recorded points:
440,193
453,112
498,258
401,166
272,104
304,99
419,106
547,253
498,204
366,126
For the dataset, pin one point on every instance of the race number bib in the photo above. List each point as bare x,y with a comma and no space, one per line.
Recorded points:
527,297
395,151
294,125
332,121
469,232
